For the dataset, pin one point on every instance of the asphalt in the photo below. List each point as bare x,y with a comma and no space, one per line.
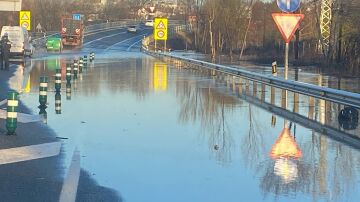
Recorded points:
41,179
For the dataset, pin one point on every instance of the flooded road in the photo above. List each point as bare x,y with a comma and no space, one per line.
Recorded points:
155,131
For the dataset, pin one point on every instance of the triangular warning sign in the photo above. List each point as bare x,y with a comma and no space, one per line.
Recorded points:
25,17
161,25
285,146
287,24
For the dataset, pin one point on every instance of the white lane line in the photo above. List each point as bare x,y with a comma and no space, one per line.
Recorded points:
132,45
71,182
120,42
89,42
26,153
103,30
21,117
3,102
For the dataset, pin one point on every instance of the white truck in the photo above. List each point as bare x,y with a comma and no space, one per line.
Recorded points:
19,39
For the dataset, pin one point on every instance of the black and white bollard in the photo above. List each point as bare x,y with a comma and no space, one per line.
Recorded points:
58,80
58,103
43,90
11,119
76,69
85,61
68,73
81,65
92,56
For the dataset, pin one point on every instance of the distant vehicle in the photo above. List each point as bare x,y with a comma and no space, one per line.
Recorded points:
72,31
53,43
149,23
20,40
132,29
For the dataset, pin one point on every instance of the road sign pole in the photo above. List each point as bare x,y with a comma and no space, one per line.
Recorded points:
165,46
155,45
286,63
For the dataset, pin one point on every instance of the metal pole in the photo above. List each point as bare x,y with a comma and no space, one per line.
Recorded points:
286,60
165,46
155,45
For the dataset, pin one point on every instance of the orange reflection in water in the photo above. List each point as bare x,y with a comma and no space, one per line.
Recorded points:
285,146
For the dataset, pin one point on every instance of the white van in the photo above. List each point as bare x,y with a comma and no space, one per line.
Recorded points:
20,41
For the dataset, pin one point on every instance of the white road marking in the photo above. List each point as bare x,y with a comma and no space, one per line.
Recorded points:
104,30
89,42
132,45
120,42
26,153
71,182
3,102
21,117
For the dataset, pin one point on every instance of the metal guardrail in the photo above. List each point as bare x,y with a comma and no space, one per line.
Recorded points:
333,95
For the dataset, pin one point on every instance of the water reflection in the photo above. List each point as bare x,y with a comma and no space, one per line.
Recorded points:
232,117
160,76
43,113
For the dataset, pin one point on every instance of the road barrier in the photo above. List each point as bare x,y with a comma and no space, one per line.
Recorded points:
329,94
12,105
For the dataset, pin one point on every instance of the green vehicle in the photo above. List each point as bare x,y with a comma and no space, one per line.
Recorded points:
53,43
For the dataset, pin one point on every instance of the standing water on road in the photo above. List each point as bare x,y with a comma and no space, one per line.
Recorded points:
166,132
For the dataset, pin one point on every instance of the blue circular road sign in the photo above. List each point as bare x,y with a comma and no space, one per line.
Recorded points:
288,6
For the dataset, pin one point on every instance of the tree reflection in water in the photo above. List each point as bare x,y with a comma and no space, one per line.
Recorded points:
210,108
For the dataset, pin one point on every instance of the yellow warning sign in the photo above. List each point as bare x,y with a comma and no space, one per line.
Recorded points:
160,28
25,19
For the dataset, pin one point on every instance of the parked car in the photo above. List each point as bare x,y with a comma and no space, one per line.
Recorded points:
149,23
132,29
19,39
54,43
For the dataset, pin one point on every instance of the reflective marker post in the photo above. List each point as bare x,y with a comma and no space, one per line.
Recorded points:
75,69
85,61
58,80
68,73
43,90
11,120
81,65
